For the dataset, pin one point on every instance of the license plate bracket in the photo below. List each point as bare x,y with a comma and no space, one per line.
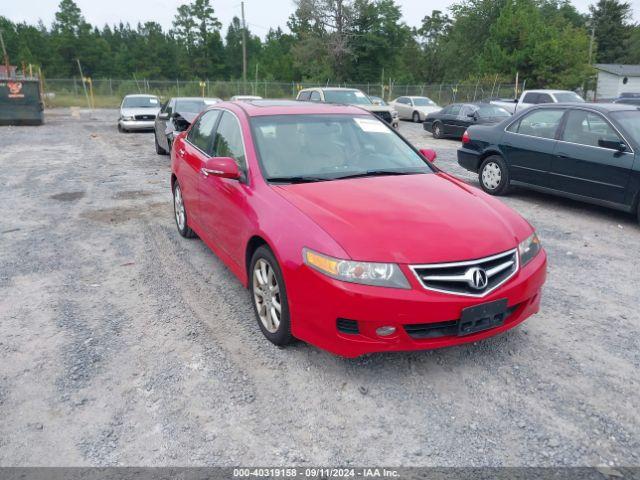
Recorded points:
482,317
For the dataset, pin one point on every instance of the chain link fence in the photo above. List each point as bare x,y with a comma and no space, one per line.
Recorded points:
64,92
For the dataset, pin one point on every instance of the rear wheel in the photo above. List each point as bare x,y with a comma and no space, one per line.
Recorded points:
180,212
494,175
159,149
270,297
415,117
437,130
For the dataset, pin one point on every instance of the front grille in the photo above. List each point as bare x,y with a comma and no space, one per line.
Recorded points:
347,326
145,117
386,116
474,278
446,329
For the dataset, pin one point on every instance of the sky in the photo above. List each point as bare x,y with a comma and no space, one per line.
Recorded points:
260,14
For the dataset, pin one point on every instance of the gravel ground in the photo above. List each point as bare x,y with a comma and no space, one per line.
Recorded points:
124,344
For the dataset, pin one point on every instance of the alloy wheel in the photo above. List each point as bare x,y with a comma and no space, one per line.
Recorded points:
178,207
491,175
266,295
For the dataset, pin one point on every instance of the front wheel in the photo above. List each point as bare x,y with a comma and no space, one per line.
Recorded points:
270,297
437,130
494,175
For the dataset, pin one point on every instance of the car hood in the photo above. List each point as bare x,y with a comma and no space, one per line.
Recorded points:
428,110
409,218
131,112
376,108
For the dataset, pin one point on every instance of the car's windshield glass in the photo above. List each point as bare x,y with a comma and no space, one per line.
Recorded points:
630,122
492,111
140,102
192,106
354,97
328,147
568,97
423,102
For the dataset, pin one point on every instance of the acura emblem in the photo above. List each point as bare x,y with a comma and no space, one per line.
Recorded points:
477,278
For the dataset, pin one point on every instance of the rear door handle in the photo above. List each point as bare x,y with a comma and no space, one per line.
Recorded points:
181,151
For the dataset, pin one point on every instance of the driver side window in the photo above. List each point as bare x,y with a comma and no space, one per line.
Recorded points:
229,141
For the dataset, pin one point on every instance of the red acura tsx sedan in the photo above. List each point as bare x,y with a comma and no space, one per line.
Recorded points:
348,237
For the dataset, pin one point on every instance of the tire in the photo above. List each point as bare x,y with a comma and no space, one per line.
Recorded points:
159,149
437,130
120,129
415,117
275,327
493,175
180,213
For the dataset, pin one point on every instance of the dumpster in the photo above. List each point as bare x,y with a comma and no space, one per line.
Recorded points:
20,101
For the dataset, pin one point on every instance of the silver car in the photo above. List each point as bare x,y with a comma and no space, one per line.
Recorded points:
138,112
414,108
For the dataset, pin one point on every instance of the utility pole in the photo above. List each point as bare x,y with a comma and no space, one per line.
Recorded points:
244,46
5,57
84,85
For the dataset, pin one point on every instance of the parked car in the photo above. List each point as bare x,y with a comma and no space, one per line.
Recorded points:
585,152
377,100
138,112
414,108
322,211
536,97
350,96
244,98
628,98
454,119
175,116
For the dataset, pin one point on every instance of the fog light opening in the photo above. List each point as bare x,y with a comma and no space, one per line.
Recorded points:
385,331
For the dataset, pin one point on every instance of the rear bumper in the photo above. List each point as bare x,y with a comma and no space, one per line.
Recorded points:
317,302
137,124
469,159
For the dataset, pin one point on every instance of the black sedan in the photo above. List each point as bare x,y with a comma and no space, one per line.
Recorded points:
453,120
581,151
175,116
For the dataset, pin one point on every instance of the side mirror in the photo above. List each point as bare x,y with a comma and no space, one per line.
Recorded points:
429,154
163,116
224,167
613,145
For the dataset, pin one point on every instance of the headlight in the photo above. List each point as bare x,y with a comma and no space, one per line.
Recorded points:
127,118
529,249
366,273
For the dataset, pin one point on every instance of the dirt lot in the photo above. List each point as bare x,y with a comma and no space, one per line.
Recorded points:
122,343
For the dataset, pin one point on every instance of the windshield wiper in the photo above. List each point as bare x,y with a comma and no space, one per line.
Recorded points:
297,179
376,173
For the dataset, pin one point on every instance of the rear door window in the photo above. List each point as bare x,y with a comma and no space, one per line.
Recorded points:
304,96
539,123
201,134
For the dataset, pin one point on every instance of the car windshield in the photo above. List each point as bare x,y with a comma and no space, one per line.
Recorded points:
140,102
630,122
349,97
192,106
568,97
423,102
491,111
300,148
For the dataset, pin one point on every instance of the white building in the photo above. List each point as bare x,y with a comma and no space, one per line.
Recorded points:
615,79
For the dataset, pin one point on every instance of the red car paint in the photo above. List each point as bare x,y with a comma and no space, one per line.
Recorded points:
411,219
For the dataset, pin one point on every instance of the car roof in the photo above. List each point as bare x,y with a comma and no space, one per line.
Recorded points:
195,98
600,107
257,108
145,95
543,90
344,89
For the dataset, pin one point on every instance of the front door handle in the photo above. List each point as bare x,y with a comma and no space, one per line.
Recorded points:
207,171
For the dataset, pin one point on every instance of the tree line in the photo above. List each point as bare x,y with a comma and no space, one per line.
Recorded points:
548,43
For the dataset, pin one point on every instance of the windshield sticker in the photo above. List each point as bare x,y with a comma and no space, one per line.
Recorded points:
359,94
371,125
153,101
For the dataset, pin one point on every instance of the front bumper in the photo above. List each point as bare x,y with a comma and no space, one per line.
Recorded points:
137,124
317,301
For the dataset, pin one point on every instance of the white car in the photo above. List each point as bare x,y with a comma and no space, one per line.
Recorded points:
414,108
138,112
530,98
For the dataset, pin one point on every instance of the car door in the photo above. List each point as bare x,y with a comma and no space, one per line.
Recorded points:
161,125
466,117
223,200
192,153
450,119
403,106
584,165
529,145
